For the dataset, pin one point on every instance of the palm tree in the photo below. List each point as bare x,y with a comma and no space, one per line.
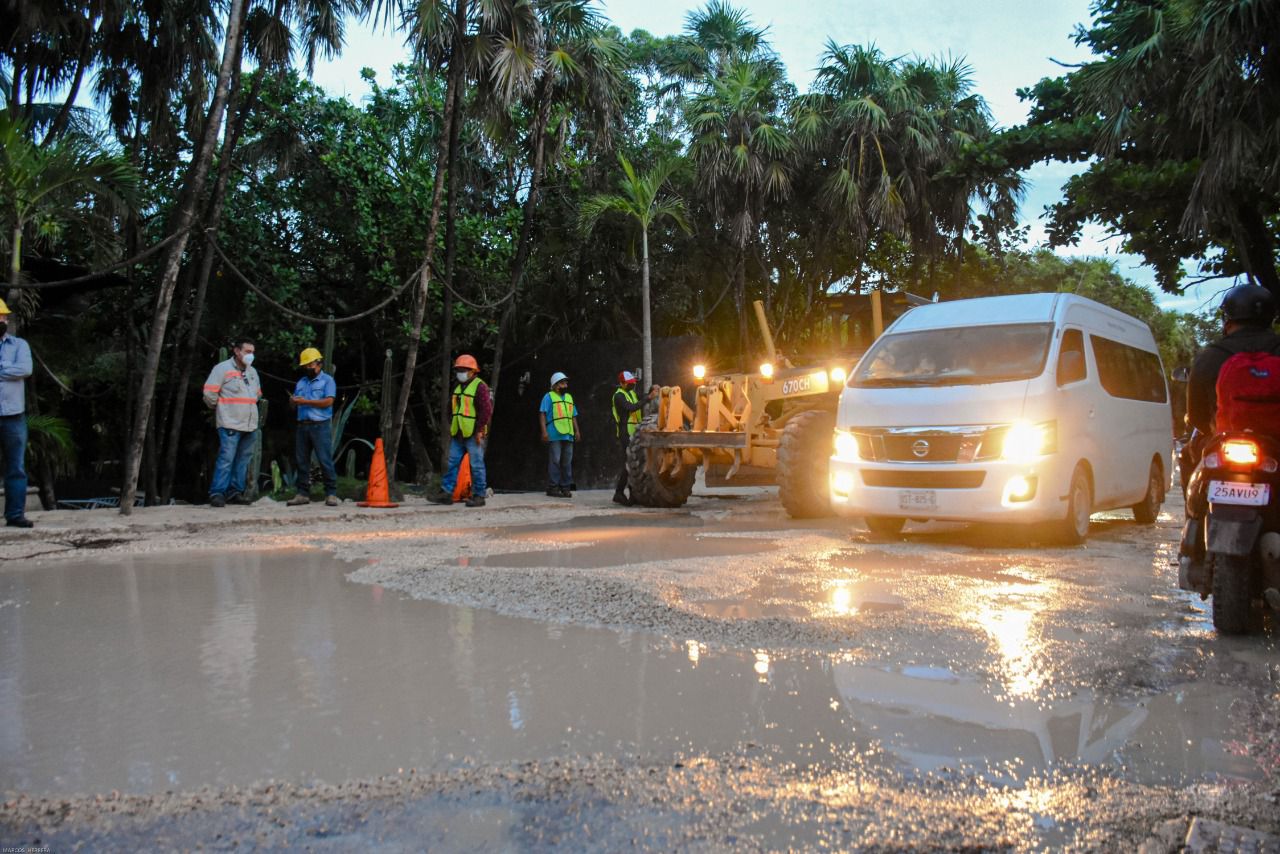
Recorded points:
46,184
742,152
639,200
580,74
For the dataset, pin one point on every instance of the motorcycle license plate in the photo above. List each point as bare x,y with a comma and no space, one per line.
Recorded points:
917,499
1251,494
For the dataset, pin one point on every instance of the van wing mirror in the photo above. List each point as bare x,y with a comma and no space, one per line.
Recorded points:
1180,375
1071,367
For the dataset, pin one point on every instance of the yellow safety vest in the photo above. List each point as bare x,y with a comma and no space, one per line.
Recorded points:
633,418
464,409
562,413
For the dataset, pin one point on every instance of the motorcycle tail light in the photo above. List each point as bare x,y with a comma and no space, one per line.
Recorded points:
1212,460
1239,452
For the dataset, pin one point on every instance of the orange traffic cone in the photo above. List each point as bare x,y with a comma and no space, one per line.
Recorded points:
378,493
462,491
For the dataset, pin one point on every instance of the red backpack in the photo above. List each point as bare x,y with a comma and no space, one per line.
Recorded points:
1249,393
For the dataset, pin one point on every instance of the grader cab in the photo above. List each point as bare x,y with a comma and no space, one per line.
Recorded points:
774,425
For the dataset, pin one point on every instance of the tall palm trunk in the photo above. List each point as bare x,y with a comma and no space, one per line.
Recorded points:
184,216
645,313
525,241
450,259
392,438
186,359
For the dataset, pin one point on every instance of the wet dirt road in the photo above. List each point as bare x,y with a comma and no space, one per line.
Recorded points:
556,674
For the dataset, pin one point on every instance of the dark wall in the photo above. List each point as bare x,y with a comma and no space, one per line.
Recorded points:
517,459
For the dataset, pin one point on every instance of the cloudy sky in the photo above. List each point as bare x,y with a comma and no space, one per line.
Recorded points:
1008,44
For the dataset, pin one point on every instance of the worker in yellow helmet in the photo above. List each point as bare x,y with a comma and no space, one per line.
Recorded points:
15,367
313,398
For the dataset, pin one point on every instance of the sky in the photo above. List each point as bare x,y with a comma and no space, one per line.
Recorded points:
1008,44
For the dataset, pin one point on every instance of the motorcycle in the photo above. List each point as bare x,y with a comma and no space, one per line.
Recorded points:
1231,543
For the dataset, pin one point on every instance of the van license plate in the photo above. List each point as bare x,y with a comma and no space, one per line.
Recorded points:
917,499
1252,494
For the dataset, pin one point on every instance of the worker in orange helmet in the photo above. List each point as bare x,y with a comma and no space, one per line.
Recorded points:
472,409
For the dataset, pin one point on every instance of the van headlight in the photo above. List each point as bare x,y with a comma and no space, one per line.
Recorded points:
1024,441
846,445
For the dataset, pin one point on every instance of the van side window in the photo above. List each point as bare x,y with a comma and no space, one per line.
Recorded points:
1128,372
1071,364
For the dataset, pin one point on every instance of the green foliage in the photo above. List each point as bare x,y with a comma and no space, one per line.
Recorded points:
49,440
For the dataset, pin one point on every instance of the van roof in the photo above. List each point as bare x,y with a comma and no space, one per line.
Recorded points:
1015,308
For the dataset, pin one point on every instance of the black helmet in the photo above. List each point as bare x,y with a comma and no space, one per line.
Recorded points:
1249,304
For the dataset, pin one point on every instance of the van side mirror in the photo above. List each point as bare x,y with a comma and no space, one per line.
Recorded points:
1071,367
1180,375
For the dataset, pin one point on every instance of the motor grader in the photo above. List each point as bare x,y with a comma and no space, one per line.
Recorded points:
774,425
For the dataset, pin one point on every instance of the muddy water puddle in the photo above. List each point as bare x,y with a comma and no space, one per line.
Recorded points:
174,671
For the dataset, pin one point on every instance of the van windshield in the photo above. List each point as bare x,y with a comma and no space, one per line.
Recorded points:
971,355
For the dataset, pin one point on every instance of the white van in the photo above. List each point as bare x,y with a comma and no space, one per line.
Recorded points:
1031,408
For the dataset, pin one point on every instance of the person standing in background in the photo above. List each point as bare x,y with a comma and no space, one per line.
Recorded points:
232,391
313,398
559,431
15,367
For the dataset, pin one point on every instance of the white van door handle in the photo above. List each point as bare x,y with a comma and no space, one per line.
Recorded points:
1092,412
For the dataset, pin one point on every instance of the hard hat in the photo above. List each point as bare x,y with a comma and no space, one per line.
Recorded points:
309,355
465,361
558,377
626,377
4,309
1249,304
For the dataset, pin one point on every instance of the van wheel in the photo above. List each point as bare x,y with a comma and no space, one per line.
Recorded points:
1073,529
1146,510
885,526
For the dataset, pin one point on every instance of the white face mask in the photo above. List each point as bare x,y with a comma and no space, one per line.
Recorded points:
462,376
247,358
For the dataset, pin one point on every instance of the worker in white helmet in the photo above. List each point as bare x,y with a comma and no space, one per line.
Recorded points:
15,367
559,431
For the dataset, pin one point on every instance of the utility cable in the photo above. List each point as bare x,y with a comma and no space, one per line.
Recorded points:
88,277
307,317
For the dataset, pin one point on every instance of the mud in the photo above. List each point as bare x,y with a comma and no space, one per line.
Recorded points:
556,674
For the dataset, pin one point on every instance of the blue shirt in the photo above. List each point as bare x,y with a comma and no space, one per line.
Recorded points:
553,434
315,389
15,367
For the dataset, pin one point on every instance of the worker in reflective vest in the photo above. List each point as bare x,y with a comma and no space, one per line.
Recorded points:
472,409
626,418
232,392
559,423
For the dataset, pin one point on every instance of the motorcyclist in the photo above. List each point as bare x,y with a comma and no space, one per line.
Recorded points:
1248,312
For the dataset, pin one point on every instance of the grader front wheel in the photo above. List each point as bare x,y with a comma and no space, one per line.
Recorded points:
802,464
652,473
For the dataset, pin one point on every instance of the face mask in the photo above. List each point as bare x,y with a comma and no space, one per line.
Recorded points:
462,376
315,372
4,327
247,358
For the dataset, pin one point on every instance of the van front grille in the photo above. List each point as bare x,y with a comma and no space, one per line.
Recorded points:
908,479
938,445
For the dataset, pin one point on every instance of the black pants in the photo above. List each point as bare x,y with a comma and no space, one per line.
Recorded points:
621,486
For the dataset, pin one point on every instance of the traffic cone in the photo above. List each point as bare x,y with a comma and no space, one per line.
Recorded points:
378,493
462,491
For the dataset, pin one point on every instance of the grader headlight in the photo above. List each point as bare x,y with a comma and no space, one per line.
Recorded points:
838,376
699,372
766,370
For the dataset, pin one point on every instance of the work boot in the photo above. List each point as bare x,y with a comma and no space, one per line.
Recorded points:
24,522
565,493
239,500
621,498
441,498
475,501
553,491
332,501
217,501
298,500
